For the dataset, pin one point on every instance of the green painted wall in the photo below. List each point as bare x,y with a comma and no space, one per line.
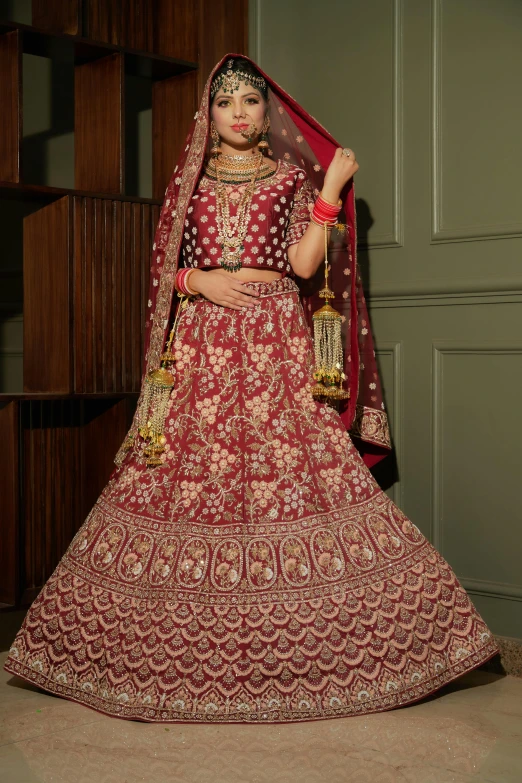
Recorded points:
427,92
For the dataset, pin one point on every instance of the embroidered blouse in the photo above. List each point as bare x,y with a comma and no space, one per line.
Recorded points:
279,216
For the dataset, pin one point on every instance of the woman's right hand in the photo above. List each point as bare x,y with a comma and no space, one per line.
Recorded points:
221,288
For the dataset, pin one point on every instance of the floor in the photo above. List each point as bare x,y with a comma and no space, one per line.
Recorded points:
469,732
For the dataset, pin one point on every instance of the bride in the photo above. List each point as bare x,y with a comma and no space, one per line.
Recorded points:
242,564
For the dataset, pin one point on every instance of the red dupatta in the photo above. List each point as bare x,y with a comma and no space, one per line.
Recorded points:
298,138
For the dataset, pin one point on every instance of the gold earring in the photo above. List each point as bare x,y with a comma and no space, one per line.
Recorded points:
215,150
262,144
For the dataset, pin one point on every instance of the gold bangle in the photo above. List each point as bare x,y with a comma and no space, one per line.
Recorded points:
321,225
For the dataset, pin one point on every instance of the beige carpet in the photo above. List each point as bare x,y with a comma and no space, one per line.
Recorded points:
469,732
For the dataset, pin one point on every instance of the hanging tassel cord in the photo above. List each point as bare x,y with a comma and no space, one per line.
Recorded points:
156,395
328,351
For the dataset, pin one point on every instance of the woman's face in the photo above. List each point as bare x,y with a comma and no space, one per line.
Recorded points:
234,113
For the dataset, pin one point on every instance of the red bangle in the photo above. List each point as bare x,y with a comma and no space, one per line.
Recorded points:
177,281
324,212
322,218
180,281
327,205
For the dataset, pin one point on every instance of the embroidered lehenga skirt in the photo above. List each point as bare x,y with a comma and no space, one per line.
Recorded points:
259,574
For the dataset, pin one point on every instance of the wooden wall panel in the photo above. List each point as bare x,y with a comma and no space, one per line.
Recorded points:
47,344
137,24
112,251
10,103
102,20
51,493
176,29
104,426
9,494
55,435
166,27
60,16
98,125
174,103
128,23
223,28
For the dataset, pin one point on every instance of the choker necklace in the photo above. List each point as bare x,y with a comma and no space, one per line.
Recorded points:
237,169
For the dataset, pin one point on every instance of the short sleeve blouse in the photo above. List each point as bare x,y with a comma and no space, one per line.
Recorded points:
279,216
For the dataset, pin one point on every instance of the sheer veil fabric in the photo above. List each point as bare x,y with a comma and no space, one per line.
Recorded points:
297,138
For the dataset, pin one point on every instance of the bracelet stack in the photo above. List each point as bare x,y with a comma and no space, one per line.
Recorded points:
181,281
325,213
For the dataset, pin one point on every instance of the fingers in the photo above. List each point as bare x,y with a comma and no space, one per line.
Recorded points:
235,294
345,158
244,297
242,300
244,288
238,301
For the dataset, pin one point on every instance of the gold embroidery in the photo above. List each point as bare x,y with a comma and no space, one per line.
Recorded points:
371,425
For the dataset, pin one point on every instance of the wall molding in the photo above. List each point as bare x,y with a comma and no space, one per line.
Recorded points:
492,589
376,301
395,238
440,349
440,233
394,349
254,30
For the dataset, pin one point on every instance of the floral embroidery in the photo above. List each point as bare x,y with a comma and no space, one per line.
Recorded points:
259,573
294,187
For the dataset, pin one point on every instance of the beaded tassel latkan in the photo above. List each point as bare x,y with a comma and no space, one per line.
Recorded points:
328,347
153,406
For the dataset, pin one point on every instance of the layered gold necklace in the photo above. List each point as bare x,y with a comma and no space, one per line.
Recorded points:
237,169
232,231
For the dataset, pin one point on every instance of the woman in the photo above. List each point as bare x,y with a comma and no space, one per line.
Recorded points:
242,564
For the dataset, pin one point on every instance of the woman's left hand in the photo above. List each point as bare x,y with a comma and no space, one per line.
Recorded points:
339,172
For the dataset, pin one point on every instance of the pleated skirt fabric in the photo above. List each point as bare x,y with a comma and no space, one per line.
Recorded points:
259,574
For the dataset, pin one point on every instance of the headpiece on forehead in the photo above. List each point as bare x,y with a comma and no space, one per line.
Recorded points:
233,73
297,138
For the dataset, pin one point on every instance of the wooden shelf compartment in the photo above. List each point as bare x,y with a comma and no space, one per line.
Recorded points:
86,272
82,50
45,194
44,501
98,125
174,103
60,16
11,103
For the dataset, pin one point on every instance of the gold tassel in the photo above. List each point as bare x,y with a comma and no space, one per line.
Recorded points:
153,406
328,348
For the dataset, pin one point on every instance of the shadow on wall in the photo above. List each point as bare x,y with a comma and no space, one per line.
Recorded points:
48,120
12,213
386,472
16,11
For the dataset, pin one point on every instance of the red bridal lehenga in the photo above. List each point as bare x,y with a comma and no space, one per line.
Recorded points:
259,574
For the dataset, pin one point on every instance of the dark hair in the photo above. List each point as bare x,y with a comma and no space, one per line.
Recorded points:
245,66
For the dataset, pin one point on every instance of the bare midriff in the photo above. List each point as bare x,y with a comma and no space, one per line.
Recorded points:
251,275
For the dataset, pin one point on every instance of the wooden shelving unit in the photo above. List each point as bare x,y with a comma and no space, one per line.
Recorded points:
86,254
